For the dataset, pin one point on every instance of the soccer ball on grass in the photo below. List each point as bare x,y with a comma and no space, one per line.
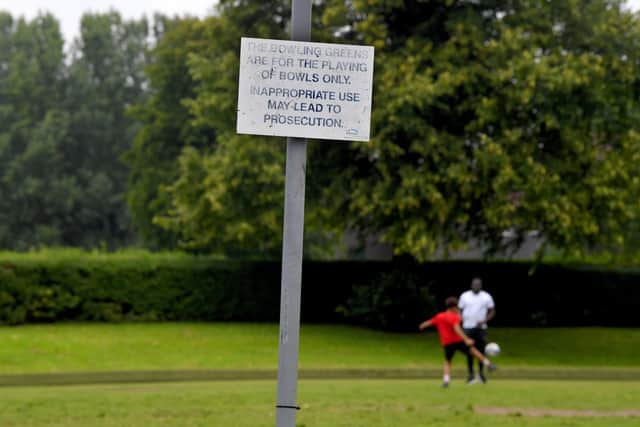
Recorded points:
492,349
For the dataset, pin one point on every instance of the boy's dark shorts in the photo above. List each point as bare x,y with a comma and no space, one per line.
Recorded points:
449,350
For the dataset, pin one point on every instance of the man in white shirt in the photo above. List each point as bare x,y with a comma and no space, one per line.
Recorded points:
477,309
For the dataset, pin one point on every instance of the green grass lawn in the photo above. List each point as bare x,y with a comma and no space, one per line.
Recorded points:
177,346
64,348
325,403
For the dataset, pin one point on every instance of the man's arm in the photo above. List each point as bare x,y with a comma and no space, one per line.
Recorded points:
490,315
461,302
491,311
468,341
425,324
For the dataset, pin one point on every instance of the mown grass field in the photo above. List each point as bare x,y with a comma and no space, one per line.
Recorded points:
107,348
338,403
182,346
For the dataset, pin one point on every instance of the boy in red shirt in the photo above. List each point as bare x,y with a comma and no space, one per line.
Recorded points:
453,338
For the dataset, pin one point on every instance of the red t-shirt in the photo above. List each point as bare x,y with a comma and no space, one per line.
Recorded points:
444,322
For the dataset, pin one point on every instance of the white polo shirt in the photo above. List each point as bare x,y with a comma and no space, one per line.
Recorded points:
474,308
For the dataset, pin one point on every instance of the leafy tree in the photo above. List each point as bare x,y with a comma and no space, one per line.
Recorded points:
63,129
493,116
488,116
225,191
228,195
33,128
105,78
166,127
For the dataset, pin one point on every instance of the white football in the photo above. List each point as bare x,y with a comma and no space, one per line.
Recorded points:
492,349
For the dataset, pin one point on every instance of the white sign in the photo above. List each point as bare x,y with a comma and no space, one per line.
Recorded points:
305,90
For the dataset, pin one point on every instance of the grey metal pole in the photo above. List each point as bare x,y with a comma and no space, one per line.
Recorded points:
293,233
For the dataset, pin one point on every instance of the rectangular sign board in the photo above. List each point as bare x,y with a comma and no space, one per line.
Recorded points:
305,90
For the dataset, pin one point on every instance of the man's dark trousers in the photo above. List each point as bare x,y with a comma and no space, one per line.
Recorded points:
479,336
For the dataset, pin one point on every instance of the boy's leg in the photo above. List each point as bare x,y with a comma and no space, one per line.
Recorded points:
481,357
480,343
446,377
474,352
472,378
449,350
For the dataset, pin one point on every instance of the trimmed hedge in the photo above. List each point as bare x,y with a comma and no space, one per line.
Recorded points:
546,294
386,295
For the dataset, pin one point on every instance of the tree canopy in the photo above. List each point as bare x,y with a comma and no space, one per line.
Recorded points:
63,129
498,115
489,116
225,191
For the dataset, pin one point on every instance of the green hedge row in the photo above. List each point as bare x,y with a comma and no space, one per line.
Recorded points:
106,292
387,295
